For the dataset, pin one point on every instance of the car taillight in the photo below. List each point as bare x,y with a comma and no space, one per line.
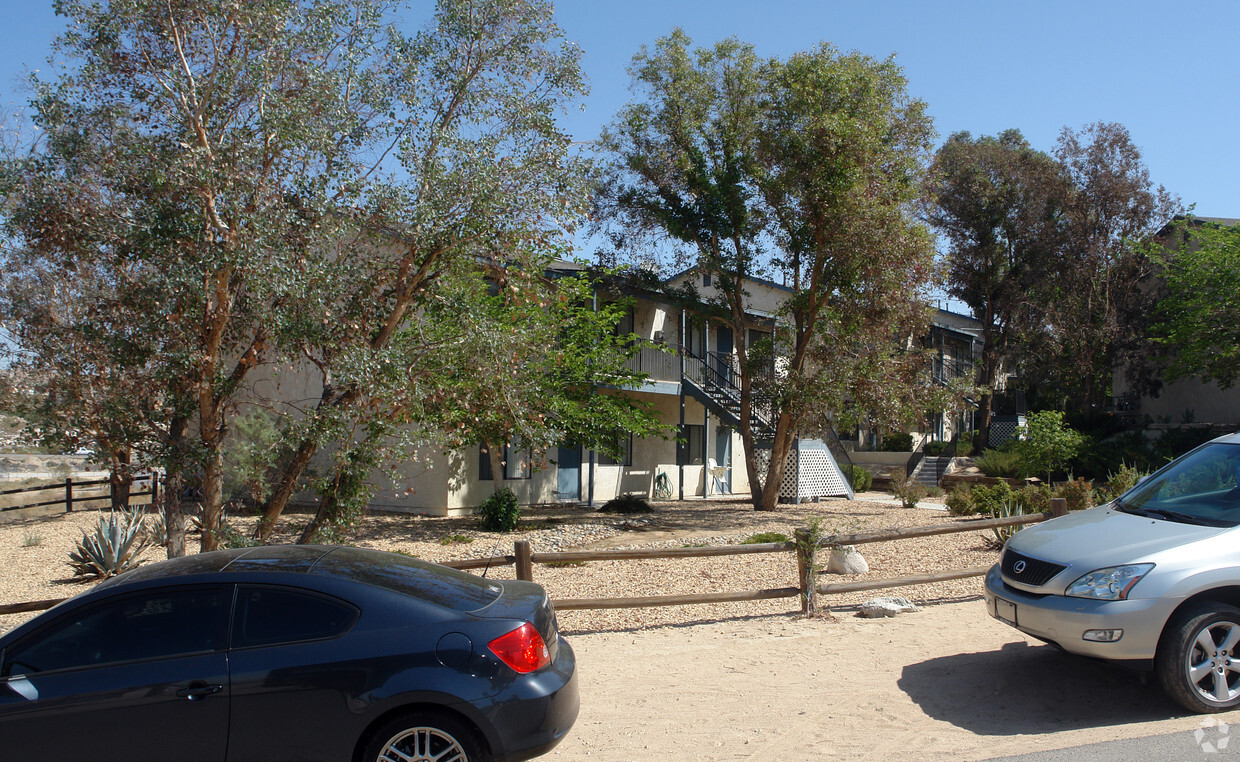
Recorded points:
522,649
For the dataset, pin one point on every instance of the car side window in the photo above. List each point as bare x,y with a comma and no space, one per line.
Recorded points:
271,615
149,625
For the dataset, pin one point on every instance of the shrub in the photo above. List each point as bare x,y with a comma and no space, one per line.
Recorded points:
1079,493
990,499
960,500
964,447
862,479
626,504
935,449
1047,443
908,491
118,540
1000,464
500,511
1035,498
765,537
897,441
1117,484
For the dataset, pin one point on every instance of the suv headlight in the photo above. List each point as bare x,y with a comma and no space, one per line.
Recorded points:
1109,584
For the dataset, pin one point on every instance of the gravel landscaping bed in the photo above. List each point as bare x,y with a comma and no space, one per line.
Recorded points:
36,551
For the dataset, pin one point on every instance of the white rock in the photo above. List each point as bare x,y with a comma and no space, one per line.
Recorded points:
886,606
847,560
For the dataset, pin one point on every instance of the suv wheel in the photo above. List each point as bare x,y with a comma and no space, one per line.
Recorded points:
1198,661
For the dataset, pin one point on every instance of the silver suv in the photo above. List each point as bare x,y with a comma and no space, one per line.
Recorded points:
1150,580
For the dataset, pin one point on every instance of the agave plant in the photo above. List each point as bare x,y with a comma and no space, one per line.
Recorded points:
1007,509
114,547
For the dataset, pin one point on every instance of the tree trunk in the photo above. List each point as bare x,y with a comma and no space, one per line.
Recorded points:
212,498
120,479
326,507
289,479
496,456
774,480
174,518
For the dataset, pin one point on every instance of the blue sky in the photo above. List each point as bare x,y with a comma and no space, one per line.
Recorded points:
1167,74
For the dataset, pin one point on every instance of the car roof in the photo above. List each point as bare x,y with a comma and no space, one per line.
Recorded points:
282,558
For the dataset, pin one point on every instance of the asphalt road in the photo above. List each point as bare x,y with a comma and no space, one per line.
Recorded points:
1212,741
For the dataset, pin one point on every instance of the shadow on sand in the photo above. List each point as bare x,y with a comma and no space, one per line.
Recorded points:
1024,689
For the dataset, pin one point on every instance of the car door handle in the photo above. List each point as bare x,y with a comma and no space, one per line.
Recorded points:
198,690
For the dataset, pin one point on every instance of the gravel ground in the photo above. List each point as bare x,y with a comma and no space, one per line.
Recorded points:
36,550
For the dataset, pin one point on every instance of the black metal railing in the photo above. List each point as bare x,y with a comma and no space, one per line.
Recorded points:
656,361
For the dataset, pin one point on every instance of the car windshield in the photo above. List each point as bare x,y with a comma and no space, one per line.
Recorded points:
1202,487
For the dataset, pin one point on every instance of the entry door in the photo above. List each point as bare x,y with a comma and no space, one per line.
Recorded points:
723,348
568,472
723,456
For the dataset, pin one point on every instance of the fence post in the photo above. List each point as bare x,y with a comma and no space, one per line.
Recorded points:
155,490
525,567
1059,506
68,494
806,547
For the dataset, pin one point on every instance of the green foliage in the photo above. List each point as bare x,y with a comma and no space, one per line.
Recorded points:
1079,493
119,538
1000,464
1006,509
228,536
251,450
989,499
765,537
1047,443
1036,498
862,479
960,500
500,511
1199,319
31,539
626,504
908,491
896,441
455,539
934,449
1119,482
1100,458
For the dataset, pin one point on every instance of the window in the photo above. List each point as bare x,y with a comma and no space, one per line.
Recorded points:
153,625
266,616
625,443
693,447
517,463
706,279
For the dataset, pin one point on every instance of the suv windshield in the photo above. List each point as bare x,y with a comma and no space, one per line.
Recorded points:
1202,487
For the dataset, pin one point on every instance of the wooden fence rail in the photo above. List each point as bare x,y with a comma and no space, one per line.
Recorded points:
807,587
67,498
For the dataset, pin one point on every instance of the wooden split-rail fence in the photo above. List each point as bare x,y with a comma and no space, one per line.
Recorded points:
807,588
73,494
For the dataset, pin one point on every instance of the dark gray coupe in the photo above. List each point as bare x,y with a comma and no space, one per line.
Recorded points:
290,653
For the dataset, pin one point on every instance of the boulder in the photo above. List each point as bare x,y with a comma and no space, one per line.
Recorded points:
886,606
847,560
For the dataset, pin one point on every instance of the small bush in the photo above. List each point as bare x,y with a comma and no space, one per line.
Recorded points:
960,500
862,479
1117,484
897,441
765,537
908,491
31,539
500,511
935,449
1079,493
455,539
990,499
1035,498
627,504
1000,464
1005,510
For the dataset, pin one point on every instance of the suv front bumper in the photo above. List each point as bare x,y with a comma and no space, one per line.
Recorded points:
1063,620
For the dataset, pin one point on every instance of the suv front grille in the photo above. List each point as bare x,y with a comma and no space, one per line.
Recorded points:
1033,572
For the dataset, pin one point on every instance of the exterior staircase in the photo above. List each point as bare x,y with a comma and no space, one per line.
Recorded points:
930,470
712,381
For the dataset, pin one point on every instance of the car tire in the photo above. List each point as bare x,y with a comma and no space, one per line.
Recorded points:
426,735
1198,660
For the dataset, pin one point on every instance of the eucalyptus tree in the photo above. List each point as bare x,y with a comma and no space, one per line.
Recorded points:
194,154
801,170
1000,205
489,183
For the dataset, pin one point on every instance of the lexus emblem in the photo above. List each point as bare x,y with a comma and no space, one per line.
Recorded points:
1018,567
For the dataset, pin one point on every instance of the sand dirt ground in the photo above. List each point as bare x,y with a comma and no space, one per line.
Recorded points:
946,682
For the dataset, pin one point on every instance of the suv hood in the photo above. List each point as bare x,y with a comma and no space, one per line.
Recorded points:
1103,536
